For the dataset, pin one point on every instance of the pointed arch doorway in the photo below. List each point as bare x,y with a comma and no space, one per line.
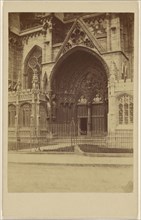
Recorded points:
79,82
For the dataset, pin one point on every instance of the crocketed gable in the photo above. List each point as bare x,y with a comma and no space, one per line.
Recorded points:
79,34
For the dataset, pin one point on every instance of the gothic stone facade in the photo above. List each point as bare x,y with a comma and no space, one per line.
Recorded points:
70,68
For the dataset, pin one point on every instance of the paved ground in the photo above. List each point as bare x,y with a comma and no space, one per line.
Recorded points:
68,173
74,159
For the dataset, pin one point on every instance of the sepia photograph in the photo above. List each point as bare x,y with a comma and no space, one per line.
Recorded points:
70,102
71,106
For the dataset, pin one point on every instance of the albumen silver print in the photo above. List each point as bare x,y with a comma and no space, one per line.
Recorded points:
70,102
70,110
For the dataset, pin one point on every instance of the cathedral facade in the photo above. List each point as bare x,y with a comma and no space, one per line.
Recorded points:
70,73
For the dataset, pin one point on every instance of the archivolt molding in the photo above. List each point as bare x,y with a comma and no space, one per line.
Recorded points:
72,50
89,81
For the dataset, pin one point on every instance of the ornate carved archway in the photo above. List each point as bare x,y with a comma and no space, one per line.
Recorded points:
80,86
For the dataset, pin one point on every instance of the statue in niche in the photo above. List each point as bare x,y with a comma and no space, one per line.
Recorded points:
53,106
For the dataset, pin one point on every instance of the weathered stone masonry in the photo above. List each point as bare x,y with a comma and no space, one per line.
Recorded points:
71,66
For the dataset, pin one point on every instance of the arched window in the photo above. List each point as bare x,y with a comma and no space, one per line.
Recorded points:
25,114
33,60
11,115
125,109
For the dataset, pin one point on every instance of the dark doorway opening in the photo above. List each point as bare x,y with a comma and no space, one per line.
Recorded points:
83,126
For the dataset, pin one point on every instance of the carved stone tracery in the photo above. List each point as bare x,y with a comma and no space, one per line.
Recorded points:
97,25
93,85
78,37
87,86
32,65
47,24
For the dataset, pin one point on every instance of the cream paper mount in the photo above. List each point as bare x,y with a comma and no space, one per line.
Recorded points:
70,109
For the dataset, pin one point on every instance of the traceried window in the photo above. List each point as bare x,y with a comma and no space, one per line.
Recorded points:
32,61
125,109
11,115
25,114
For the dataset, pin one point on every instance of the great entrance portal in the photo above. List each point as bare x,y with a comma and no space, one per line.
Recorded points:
71,78
79,87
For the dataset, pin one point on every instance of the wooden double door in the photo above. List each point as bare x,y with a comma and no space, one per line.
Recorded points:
92,119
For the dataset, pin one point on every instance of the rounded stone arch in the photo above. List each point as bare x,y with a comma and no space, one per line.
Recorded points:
32,60
73,50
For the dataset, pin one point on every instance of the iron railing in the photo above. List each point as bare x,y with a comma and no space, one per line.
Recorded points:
50,141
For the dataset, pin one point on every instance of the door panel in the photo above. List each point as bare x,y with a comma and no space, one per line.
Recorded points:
98,118
82,111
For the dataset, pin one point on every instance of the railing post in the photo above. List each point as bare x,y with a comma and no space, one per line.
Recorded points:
89,119
17,115
73,133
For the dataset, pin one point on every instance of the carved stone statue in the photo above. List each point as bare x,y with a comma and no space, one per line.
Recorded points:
97,99
82,100
51,105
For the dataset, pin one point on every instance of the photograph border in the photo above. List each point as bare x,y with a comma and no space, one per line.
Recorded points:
65,205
